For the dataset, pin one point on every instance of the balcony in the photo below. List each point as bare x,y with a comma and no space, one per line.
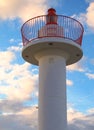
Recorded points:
43,26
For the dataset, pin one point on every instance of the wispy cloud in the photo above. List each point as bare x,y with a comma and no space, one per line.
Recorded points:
90,15
15,48
80,121
69,82
16,82
75,67
23,9
72,116
80,66
27,118
90,75
87,18
24,120
11,40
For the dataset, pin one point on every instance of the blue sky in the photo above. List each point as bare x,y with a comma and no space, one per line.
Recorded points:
19,80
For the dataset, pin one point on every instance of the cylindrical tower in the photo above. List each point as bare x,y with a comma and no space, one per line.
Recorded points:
52,41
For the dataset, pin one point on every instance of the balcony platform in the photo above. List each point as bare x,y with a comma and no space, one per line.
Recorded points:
64,47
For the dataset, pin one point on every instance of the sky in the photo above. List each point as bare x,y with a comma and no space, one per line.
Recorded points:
19,79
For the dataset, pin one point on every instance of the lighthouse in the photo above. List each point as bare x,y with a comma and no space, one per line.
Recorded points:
52,42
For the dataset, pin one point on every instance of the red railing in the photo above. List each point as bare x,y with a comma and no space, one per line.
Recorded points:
37,27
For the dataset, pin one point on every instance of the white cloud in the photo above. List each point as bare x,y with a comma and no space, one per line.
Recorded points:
11,40
6,57
27,118
90,76
15,48
75,67
79,66
87,18
79,121
91,111
73,114
69,82
16,80
10,106
19,82
23,9
90,15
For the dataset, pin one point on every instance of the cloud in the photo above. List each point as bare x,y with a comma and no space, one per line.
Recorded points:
89,75
79,121
86,18
90,15
15,48
10,106
75,67
16,82
27,118
91,111
69,82
23,9
6,57
79,66
73,114
11,40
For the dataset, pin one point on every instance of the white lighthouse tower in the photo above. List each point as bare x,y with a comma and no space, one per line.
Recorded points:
52,41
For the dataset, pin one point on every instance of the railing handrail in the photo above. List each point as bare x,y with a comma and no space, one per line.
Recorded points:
73,29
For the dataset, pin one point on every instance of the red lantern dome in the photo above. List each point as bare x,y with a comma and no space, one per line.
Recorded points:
51,16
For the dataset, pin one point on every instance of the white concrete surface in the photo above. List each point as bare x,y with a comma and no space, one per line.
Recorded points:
52,92
71,48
